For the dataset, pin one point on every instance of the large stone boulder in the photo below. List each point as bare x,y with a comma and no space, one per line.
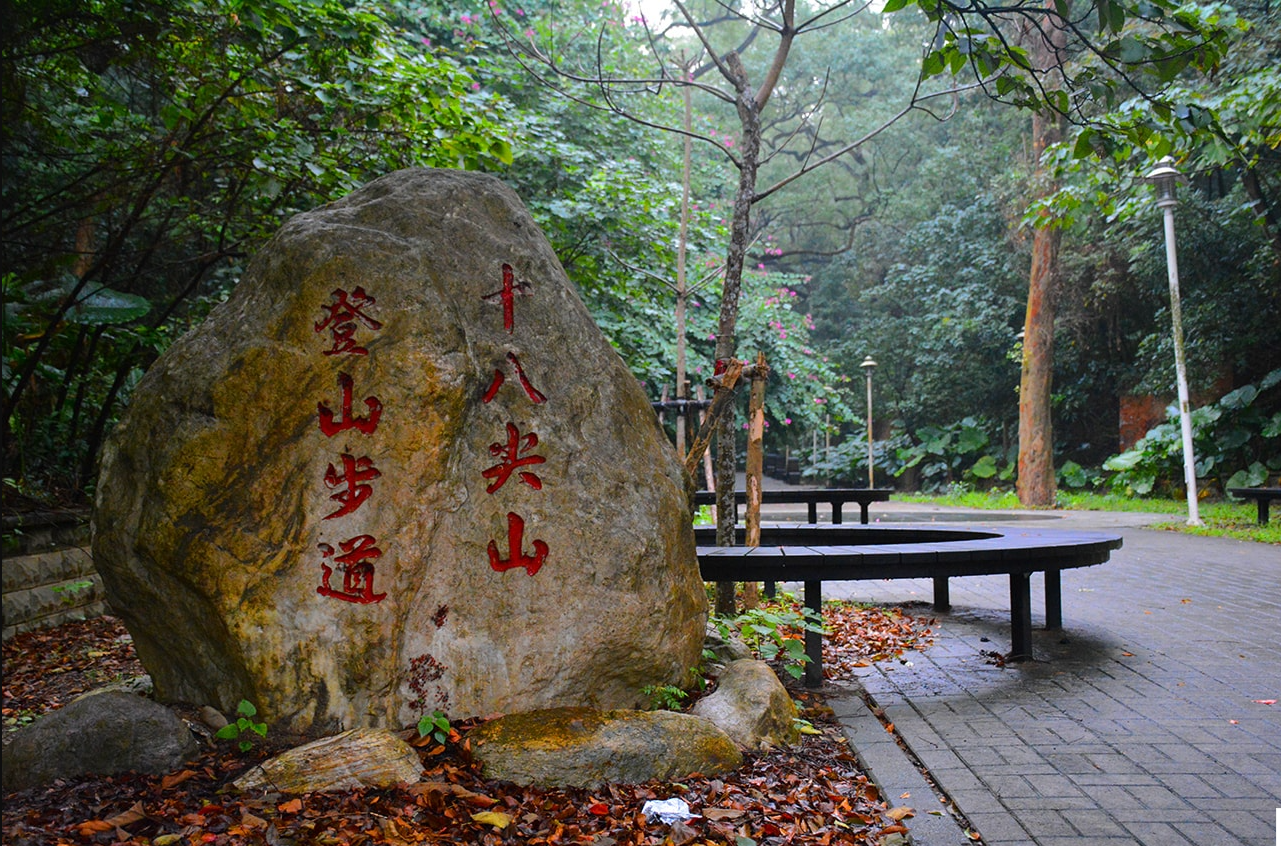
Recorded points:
399,471
99,734
583,747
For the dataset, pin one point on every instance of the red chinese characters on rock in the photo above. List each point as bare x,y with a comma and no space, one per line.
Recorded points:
535,396
340,320
514,453
507,296
345,418
349,483
512,458
355,557
357,565
516,556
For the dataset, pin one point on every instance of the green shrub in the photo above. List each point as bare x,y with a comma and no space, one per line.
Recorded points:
243,729
772,630
436,724
1237,442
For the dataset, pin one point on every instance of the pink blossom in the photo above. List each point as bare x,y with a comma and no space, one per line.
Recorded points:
782,336
711,336
787,421
791,375
760,266
466,18
819,400
475,86
529,33
427,42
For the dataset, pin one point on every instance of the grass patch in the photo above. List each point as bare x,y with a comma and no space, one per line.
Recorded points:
1223,517
1220,527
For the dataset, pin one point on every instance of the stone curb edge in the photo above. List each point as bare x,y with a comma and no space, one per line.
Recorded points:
893,772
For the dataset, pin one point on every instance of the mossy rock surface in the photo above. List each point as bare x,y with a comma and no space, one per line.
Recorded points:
584,747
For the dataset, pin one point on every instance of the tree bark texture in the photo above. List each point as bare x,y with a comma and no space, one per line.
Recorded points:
1035,484
740,236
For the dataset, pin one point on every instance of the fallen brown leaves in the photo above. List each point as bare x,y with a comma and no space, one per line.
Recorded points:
861,635
47,668
809,795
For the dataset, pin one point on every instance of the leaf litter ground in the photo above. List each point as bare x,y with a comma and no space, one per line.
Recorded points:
814,793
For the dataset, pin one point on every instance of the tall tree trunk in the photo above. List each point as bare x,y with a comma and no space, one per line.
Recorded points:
1036,433
1035,484
726,341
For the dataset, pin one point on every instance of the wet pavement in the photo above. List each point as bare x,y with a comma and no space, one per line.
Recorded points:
1144,720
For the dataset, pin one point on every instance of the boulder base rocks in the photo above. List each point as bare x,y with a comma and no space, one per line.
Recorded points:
582,747
347,761
99,733
751,705
399,471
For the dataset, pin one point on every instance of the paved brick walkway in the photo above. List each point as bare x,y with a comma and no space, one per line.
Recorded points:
1136,725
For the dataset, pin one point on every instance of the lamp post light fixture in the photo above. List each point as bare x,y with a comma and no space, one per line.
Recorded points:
868,366
1165,178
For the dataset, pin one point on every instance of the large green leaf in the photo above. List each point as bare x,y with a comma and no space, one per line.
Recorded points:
103,306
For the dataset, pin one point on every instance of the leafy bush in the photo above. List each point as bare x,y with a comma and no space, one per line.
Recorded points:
665,697
1237,442
243,729
1074,476
774,631
436,724
960,451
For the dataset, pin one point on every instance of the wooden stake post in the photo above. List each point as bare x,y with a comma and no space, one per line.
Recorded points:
755,460
722,403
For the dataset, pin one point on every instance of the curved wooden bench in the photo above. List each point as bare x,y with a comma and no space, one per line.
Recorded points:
1261,496
815,554
811,497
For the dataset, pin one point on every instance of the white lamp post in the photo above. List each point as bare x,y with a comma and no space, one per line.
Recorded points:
868,366
1165,178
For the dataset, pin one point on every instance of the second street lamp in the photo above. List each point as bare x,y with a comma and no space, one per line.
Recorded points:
1165,177
868,366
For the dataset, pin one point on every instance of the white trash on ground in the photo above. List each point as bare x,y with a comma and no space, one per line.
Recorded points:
667,810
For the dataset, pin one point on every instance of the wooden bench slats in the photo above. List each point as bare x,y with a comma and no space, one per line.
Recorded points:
864,553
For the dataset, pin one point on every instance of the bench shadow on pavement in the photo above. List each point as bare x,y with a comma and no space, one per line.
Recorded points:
968,639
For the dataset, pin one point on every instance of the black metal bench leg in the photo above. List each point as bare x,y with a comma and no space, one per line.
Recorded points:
771,590
812,510
862,512
1053,599
942,596
836,513
1263,510
814,640
1020,616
